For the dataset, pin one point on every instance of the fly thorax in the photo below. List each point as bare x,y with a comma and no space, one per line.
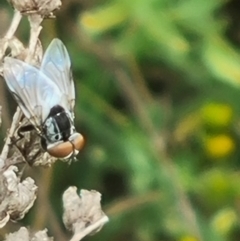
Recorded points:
51,130
58,127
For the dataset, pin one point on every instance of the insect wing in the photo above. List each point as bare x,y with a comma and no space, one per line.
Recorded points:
56,65
35,93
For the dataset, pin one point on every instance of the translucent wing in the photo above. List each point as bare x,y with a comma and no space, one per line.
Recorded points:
34,92
57,66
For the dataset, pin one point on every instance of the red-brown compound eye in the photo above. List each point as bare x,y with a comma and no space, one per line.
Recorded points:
65,149
77,140
61,150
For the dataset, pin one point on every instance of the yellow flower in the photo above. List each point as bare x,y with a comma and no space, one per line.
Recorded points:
188,238
224,221
219,146
217,115
104,18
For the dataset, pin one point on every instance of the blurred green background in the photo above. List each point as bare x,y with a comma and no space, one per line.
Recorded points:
157,85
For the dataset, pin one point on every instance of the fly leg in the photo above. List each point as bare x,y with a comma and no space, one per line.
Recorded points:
20,136
20,132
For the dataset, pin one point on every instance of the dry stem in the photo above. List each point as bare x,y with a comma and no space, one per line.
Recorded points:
90,229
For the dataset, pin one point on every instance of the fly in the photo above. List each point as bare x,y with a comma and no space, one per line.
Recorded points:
46,97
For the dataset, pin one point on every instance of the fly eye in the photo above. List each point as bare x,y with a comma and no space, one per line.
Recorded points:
66,149
77,140
63,150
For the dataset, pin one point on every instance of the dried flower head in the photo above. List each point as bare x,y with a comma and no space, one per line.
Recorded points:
17,48
21,234
83,213
24,234
18,197
42,7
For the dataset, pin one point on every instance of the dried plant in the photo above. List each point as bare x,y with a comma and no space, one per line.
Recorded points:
82,214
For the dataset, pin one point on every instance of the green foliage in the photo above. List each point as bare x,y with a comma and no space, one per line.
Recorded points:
158,100
158,92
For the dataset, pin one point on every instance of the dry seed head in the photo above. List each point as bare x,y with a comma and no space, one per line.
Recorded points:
18,196
27,235
82,211
42,7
